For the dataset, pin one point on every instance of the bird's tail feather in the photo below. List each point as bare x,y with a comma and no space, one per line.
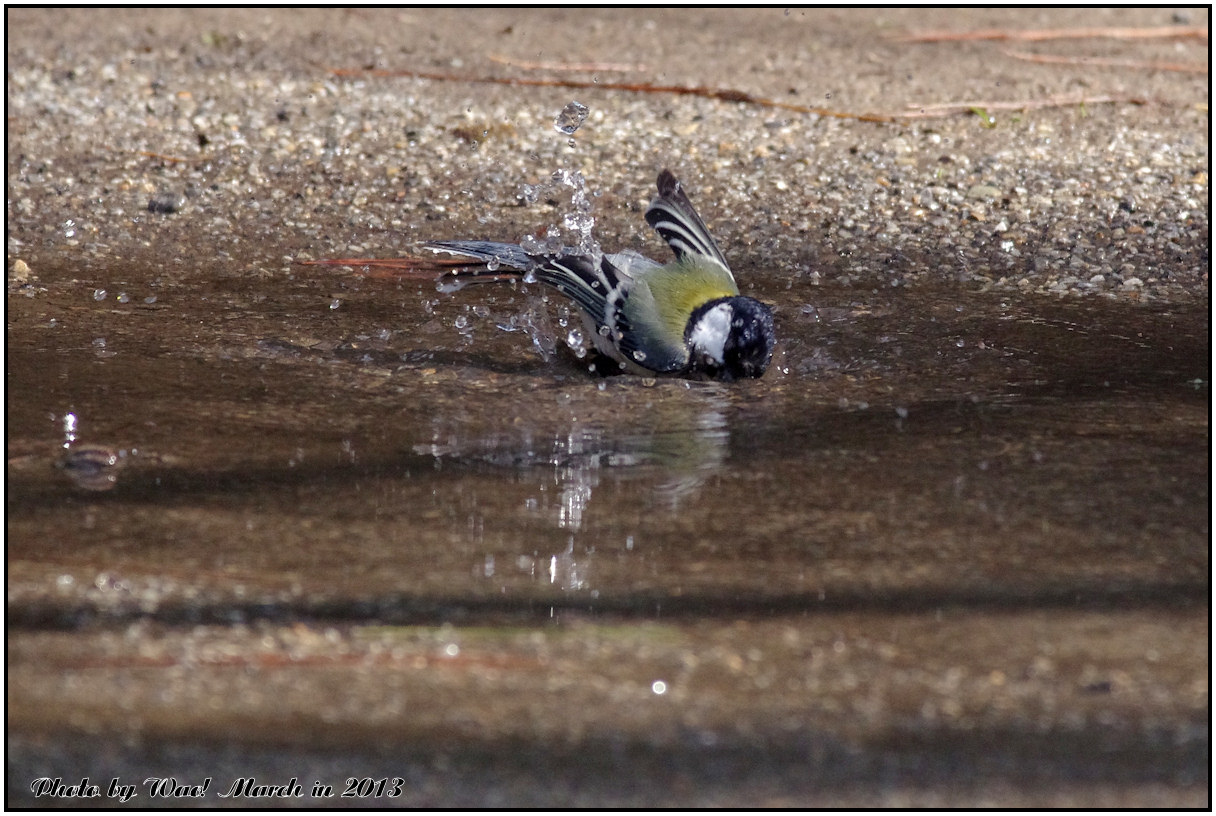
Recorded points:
495,255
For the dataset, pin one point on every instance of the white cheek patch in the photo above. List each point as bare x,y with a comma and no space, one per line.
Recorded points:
708,336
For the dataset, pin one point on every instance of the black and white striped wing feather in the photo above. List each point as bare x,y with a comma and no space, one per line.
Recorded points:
599,290
675,219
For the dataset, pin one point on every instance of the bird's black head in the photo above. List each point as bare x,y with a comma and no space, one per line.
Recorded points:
731,338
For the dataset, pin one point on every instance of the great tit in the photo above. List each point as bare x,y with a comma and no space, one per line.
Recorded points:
685,318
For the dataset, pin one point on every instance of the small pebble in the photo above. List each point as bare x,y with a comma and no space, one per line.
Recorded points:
165,203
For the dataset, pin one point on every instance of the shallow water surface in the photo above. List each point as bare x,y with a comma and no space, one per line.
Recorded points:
938,519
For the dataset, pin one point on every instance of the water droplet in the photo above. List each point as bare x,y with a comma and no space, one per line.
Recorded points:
69,429
529,193
575,341
123,297
658,687
92,467
99,294
571,118
578,222
335,303
532,245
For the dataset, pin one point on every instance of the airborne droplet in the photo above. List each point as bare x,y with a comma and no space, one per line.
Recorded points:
574,339
571,118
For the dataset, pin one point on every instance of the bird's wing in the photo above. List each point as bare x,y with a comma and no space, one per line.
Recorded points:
598,289
675,219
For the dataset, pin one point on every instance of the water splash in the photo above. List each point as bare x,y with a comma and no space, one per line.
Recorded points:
93,467
574,232
578,220
571,118
577,342
70,425
566,572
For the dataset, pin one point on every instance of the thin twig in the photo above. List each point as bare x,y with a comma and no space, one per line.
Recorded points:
723,94
947,108
413,268
1036,35
1104,62
390,267
609,67
394,263
164,157
730,95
